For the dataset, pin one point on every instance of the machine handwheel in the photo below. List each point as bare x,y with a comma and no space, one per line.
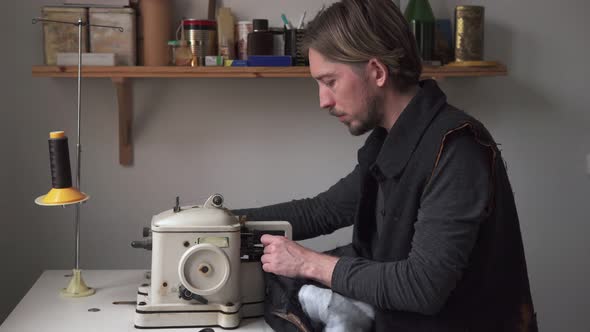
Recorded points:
204,269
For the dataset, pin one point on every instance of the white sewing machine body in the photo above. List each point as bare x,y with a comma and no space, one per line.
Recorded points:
206,268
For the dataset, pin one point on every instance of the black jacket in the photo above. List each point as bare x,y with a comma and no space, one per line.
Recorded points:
459,273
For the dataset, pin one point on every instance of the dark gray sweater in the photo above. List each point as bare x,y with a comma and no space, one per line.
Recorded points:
445,232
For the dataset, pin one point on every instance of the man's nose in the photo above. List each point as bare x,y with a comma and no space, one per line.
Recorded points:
326,98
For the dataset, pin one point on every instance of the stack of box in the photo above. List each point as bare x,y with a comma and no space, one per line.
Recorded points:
107,46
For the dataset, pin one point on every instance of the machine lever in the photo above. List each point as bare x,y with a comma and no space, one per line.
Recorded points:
188,295
145,244
177,205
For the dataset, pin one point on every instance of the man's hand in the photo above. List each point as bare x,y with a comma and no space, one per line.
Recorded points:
287,258
282,256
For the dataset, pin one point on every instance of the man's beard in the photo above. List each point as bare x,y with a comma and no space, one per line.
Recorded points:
370,122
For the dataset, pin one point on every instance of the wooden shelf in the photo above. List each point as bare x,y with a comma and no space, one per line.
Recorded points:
238,72
121,77
171,72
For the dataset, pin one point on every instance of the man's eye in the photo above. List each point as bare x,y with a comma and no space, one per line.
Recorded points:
330,83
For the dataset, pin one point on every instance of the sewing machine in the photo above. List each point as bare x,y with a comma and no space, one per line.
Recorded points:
206,268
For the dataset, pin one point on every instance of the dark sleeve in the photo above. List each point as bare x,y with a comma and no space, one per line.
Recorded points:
311,217
453,205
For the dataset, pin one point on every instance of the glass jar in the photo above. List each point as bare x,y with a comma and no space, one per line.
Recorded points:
260,40
180,53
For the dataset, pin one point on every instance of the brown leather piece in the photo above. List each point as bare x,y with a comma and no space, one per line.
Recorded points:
293,319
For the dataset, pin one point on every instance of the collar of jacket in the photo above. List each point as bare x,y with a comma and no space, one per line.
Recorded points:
388,154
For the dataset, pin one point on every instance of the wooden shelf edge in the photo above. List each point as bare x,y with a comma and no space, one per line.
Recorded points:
449,71
237,72
170,72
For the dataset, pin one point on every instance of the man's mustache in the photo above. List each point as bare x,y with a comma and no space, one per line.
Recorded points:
335,112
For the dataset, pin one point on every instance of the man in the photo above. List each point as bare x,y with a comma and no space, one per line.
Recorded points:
436,243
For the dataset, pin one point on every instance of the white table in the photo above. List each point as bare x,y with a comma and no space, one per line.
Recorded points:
44,309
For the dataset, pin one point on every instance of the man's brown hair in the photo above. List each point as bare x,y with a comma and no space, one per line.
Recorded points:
354,31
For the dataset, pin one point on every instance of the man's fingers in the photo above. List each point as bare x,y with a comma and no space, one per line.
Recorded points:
267,239
264,259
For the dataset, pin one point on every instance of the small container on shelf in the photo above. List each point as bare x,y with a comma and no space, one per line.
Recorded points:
469,34
214,61
226,33
155,29
260,40
242,30
180,53
278,43
203,37
294,47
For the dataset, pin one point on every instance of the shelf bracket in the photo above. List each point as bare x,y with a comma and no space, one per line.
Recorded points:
125,106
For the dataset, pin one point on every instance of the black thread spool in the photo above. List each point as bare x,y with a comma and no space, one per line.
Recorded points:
59,160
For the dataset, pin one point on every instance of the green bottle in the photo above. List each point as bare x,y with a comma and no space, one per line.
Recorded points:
421,19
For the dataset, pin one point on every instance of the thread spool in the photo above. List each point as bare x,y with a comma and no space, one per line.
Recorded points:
62,192
59,160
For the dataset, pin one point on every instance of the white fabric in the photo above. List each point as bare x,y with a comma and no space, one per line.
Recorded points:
336,312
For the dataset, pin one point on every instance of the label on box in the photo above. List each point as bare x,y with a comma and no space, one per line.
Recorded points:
88,59
214,60
239,63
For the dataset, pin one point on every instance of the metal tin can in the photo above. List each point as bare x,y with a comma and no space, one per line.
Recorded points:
202,35
469,33
243,28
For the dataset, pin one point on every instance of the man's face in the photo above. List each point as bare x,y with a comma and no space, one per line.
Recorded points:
345,92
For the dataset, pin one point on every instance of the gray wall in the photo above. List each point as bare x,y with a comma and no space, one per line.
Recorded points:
265,141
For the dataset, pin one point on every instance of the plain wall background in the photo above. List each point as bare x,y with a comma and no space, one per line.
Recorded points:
262,141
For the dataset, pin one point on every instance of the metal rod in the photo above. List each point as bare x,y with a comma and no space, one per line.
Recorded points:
77,184
107,26
78,145
77,218
39,19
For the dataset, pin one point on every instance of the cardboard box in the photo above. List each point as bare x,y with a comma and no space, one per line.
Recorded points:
98,3
108,40
88,59
58,37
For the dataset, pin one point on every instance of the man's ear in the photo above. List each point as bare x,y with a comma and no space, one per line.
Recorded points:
378,72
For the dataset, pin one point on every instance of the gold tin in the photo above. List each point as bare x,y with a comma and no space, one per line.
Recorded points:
202,35
469,33
59,37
